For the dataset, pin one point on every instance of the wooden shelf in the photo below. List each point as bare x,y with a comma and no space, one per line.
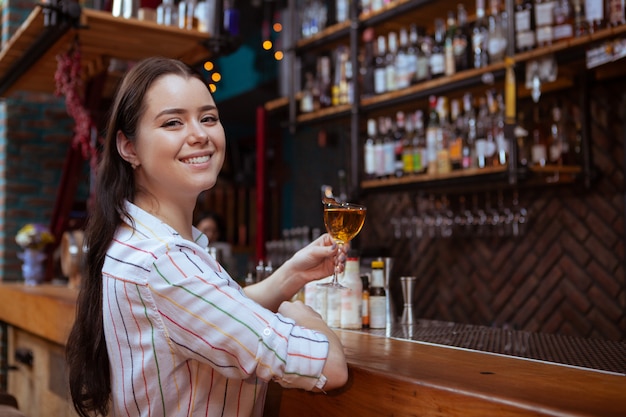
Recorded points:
102,37
423,178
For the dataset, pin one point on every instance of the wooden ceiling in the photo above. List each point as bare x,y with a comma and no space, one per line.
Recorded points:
102,37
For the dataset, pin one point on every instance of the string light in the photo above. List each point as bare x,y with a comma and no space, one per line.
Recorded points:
208,66
267,45
278,55
216,77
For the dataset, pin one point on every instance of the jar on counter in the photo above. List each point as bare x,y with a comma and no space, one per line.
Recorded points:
378,297
351,296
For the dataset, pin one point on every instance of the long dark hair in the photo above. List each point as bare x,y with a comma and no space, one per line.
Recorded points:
87,357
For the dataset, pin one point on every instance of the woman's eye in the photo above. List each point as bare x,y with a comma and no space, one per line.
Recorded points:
210,119
171,123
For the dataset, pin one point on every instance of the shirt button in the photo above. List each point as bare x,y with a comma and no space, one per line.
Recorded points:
267,331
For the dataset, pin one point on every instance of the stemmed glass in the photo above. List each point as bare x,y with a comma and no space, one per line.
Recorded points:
343,222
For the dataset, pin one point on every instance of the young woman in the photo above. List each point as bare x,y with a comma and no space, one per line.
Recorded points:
161,328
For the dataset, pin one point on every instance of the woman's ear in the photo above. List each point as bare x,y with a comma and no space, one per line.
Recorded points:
126,149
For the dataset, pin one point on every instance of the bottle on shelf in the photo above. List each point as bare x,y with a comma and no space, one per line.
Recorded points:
412,52
544,22
483,127
480,34
325,83
581,27
365,304
563,21
524,25
420,158
558,145
449,58
469,143
369,152
615,12
538,150
390,62
342,10
424,48
306,100
502,143
455,144
399,135
378,297
380,68
594,14
379,149
368,64
496,38
167,14
461,40
402,62
437,55
433,134
407,147
389,147
443,153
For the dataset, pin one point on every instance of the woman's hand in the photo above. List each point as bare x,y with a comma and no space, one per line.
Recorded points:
317,259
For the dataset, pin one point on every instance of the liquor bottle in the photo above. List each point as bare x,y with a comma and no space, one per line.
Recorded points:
365,304
449,61
502,144
461,40
443,153
390,61
594,14
557,145
379,149
580,22
346,95
521,137
325,83
306,101
544,22
412,52
455,144
380,77
424,49
352,296
389,147
378,297
576,145
342,10
497,40
399,135
166,13
337,79
407,147
483,127
402,65
368,64
615,12
433,135
469,147
538,150
563,21
524,25
437,58
490,130
480,35
369,153
420,159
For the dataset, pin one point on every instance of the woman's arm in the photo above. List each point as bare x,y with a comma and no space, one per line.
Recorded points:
314,261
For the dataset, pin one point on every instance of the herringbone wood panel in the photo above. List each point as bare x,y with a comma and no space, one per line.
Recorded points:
564,275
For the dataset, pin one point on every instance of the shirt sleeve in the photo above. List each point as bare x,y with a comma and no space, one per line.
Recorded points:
207,317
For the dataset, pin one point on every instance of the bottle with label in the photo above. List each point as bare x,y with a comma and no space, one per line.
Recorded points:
449,61
524,25
367,67
615,12
365,302
433,135
380,76
455,144
352,296
378,296
563,21
538,150
460,43
594,14
369,163
390,62
496,40
407,147
437,55
420,159
544,22
480,34
399,135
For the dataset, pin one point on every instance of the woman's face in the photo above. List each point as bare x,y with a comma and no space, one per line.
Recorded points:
180,142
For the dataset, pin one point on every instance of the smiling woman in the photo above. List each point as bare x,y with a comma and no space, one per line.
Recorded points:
155,307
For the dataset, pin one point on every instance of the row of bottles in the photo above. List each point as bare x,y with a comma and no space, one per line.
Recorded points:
469,133
398,59
363,304
198,15
543,22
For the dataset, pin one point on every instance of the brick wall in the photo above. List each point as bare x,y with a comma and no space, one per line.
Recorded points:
564,275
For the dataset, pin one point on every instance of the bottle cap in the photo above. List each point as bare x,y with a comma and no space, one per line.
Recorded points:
378,264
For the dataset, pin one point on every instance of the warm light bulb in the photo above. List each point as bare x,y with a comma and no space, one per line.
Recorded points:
267,45
278,55
208,66
212,87
277,27
216,77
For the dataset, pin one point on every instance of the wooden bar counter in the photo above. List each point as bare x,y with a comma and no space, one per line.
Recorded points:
388,377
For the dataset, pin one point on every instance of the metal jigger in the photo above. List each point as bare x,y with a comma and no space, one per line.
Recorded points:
391,311
408,287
